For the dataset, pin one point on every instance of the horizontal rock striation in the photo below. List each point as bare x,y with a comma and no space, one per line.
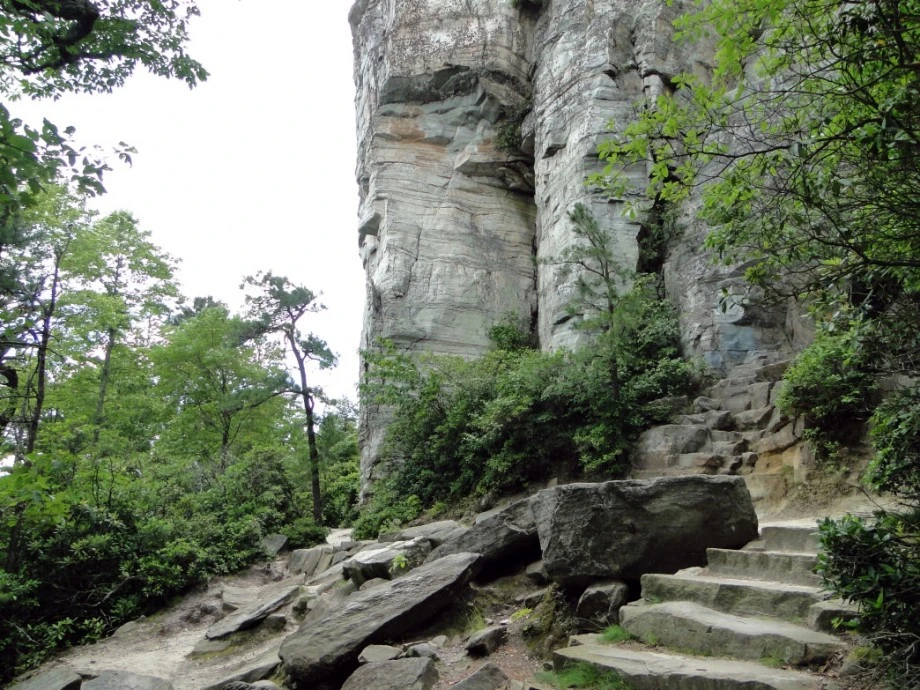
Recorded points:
457,231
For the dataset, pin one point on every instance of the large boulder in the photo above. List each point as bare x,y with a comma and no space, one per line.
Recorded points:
326,648
402,674
623,529
508,535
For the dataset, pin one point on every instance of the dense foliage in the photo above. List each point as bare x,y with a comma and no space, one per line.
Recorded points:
518,415
148,446
802,147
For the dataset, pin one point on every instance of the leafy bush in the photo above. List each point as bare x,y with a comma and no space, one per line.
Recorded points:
896,436
876,564
831,385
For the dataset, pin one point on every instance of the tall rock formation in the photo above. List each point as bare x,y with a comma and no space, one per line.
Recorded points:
455,233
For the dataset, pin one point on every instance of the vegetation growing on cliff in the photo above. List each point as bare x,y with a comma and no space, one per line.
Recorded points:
803,149
518,415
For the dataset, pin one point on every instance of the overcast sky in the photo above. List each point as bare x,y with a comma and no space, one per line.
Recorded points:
253,169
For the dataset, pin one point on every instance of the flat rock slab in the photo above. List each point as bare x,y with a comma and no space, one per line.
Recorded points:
56,679
250,672
438,532
123,680
509,534
652,671
488,677
267,600
627,528
401,674
326,648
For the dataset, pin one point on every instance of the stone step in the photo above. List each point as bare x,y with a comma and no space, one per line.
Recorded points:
739,597
644,670
797,538
690,627
777,566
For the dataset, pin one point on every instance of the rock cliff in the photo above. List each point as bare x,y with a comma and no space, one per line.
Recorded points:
456,231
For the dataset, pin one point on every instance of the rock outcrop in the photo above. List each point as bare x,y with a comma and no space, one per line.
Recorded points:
463,212
623,529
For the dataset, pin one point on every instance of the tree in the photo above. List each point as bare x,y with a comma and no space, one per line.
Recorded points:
218,383
29,300
277,305
123,280
49,47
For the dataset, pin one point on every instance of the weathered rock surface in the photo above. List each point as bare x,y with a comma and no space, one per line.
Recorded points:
627,528
122,680
507,535
401,674
326,648
447,220
454,232
55,679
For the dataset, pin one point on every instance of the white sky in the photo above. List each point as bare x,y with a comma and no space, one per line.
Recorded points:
253,169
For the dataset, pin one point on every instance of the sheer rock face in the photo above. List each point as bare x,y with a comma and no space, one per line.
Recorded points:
454,232
447,220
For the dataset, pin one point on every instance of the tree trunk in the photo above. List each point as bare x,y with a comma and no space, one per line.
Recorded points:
104,383
42,361
311,432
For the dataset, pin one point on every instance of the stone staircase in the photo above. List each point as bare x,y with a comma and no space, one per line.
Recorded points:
734,428
755,619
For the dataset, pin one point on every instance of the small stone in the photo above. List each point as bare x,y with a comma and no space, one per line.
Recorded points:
486,641
207,646
438,641
488,677
422,649
378,652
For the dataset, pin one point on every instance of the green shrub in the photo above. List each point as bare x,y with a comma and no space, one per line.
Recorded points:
831,385
877,567
896,436
516,415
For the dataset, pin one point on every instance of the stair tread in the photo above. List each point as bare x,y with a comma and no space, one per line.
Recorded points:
744,582
634,664
744,625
